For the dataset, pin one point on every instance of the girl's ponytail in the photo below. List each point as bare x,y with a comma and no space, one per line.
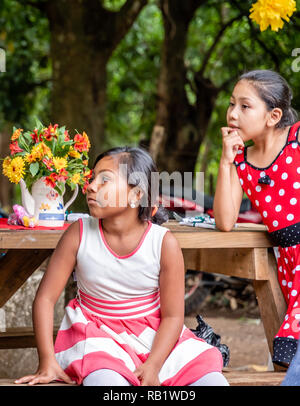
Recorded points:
161,216
290,117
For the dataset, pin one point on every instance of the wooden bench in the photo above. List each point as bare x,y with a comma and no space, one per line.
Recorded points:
19,337
235,378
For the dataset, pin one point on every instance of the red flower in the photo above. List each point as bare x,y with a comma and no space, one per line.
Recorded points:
50,132
85,187
63,175
14,148
66,133
36,138
49,164
51,180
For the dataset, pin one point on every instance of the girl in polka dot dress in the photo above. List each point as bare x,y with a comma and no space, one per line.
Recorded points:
269,173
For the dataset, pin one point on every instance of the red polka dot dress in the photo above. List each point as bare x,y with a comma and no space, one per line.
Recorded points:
275,192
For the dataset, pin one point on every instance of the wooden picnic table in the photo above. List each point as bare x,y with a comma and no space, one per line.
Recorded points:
244,252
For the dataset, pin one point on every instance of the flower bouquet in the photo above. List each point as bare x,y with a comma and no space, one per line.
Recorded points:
44,161
49,153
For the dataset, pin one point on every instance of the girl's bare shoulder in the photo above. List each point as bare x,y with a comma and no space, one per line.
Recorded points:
71,237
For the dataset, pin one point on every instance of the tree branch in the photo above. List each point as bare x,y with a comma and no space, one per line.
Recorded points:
215,43
126,17
255,35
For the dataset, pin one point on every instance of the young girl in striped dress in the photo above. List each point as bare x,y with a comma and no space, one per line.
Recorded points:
125,327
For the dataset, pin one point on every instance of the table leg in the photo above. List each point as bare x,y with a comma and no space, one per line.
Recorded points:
16,267
270,299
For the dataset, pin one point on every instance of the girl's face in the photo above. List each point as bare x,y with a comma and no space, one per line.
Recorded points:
247,112
108,191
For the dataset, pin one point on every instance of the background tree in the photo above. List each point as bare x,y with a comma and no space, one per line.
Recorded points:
207,45
166,76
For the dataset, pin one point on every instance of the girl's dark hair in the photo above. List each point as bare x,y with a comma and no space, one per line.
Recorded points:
140,166
275,92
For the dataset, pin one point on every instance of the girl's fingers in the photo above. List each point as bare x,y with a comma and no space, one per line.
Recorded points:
25,379
66,378
40,379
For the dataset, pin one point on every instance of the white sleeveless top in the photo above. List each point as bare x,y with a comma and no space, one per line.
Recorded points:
102,274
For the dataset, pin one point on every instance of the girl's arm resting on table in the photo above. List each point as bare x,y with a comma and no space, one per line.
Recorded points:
60,267
172,310
229,193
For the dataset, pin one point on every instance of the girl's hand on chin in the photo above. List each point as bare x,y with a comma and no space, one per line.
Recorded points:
231,143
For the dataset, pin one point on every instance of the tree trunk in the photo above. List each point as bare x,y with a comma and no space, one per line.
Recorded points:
184,125
83,37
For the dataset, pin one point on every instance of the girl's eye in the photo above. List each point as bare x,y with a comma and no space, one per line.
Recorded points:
104,179
245,106
231,104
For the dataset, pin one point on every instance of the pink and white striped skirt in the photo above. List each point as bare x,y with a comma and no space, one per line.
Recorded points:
118,335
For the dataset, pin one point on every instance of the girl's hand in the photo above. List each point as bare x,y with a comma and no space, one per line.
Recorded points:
231,143
147,375
46,374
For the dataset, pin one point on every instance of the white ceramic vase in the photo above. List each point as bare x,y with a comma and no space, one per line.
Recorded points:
45,204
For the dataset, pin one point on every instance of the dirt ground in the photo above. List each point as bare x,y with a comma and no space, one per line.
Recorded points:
244,336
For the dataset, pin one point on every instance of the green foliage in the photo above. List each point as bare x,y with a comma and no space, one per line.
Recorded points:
25,86
242,47
132,80
133,69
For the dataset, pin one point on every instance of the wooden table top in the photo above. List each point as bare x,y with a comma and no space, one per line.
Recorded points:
245,235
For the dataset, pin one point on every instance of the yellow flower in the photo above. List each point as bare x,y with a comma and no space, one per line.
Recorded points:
6,165
29,158
59,163
16,134
36,153
271,12
74,154
15,169
85,136
75,178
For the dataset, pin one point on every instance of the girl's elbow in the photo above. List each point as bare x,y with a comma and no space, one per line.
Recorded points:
224,226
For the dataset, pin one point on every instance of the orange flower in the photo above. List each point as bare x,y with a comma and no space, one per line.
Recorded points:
16,134
82,142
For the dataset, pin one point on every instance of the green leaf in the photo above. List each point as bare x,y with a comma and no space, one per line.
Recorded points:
34,168
22,143
38,124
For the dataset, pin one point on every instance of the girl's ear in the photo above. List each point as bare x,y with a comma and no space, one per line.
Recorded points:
275,116
135,194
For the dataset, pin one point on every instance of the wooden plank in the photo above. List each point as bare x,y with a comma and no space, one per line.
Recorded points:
238,378
28,239
10,382
16,267
188,237
19,337
242,262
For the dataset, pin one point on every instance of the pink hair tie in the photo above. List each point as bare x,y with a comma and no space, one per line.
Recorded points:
154,211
